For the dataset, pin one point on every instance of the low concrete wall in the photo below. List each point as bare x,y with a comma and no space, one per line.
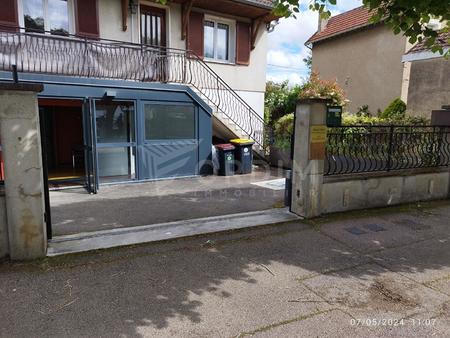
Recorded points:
4,246
314,194
362,193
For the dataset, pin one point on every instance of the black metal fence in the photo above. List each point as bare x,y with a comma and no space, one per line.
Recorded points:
362,149
109,59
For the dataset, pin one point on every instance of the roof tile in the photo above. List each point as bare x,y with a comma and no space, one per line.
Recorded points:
342,23
442,39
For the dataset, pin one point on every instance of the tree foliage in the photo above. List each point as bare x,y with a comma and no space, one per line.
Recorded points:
280,99
395,110
409,17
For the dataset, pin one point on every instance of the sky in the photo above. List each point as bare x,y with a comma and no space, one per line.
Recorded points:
287,43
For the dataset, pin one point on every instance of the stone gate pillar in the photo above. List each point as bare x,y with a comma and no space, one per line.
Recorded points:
309,156
24,188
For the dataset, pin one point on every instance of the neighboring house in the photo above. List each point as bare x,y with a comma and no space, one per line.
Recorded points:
429,80
129,85
364,58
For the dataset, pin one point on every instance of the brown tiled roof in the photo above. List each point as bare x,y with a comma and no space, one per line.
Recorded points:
343,23
442,39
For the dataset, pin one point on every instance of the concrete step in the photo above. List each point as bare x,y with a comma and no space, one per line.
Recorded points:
61,245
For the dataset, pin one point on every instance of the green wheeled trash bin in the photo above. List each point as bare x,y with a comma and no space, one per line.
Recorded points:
226,159
243,155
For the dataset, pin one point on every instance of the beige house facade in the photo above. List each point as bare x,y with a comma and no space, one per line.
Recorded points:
365,59
429,81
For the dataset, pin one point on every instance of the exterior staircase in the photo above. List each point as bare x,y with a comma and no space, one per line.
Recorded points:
230,110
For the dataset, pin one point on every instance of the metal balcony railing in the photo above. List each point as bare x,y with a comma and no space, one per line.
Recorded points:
108,59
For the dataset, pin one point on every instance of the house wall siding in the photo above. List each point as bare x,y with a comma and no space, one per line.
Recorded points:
110,21
367,64
429,85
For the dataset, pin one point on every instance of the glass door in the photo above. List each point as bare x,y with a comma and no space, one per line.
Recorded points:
115,140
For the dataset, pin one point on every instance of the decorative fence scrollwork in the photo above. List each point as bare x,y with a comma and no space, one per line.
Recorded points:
362,149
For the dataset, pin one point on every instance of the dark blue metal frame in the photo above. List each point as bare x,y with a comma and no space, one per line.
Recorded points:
143,142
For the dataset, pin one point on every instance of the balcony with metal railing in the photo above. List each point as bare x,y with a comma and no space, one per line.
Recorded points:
108,59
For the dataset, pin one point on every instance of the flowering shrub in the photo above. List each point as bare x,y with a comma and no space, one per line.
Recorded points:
316,88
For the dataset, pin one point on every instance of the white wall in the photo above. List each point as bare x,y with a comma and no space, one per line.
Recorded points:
254,99
110,21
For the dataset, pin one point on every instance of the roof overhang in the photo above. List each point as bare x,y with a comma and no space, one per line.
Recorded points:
251,9
255,3
424,55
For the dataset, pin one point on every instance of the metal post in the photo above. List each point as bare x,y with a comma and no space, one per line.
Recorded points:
390,149
86,61
47,214
15,75
440,135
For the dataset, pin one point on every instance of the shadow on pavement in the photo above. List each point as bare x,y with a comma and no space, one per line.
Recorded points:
217,285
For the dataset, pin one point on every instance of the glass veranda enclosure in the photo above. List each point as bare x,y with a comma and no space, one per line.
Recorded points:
130,135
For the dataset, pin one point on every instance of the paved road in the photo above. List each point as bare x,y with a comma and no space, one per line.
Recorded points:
380,273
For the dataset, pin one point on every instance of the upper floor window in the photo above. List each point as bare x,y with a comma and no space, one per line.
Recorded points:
219,39
53,16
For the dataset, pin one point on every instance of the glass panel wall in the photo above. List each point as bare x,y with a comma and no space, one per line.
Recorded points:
116,147
209,39
33,11
116,164
58,17
175,122
223,32
46,15
115,122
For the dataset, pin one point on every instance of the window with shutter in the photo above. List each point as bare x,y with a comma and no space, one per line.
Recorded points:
86,18
219,39
8,15
52,16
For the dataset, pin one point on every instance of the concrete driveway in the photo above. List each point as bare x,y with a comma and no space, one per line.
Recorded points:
117,206
384,273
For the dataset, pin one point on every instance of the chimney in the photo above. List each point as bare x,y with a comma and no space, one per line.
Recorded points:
322,23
